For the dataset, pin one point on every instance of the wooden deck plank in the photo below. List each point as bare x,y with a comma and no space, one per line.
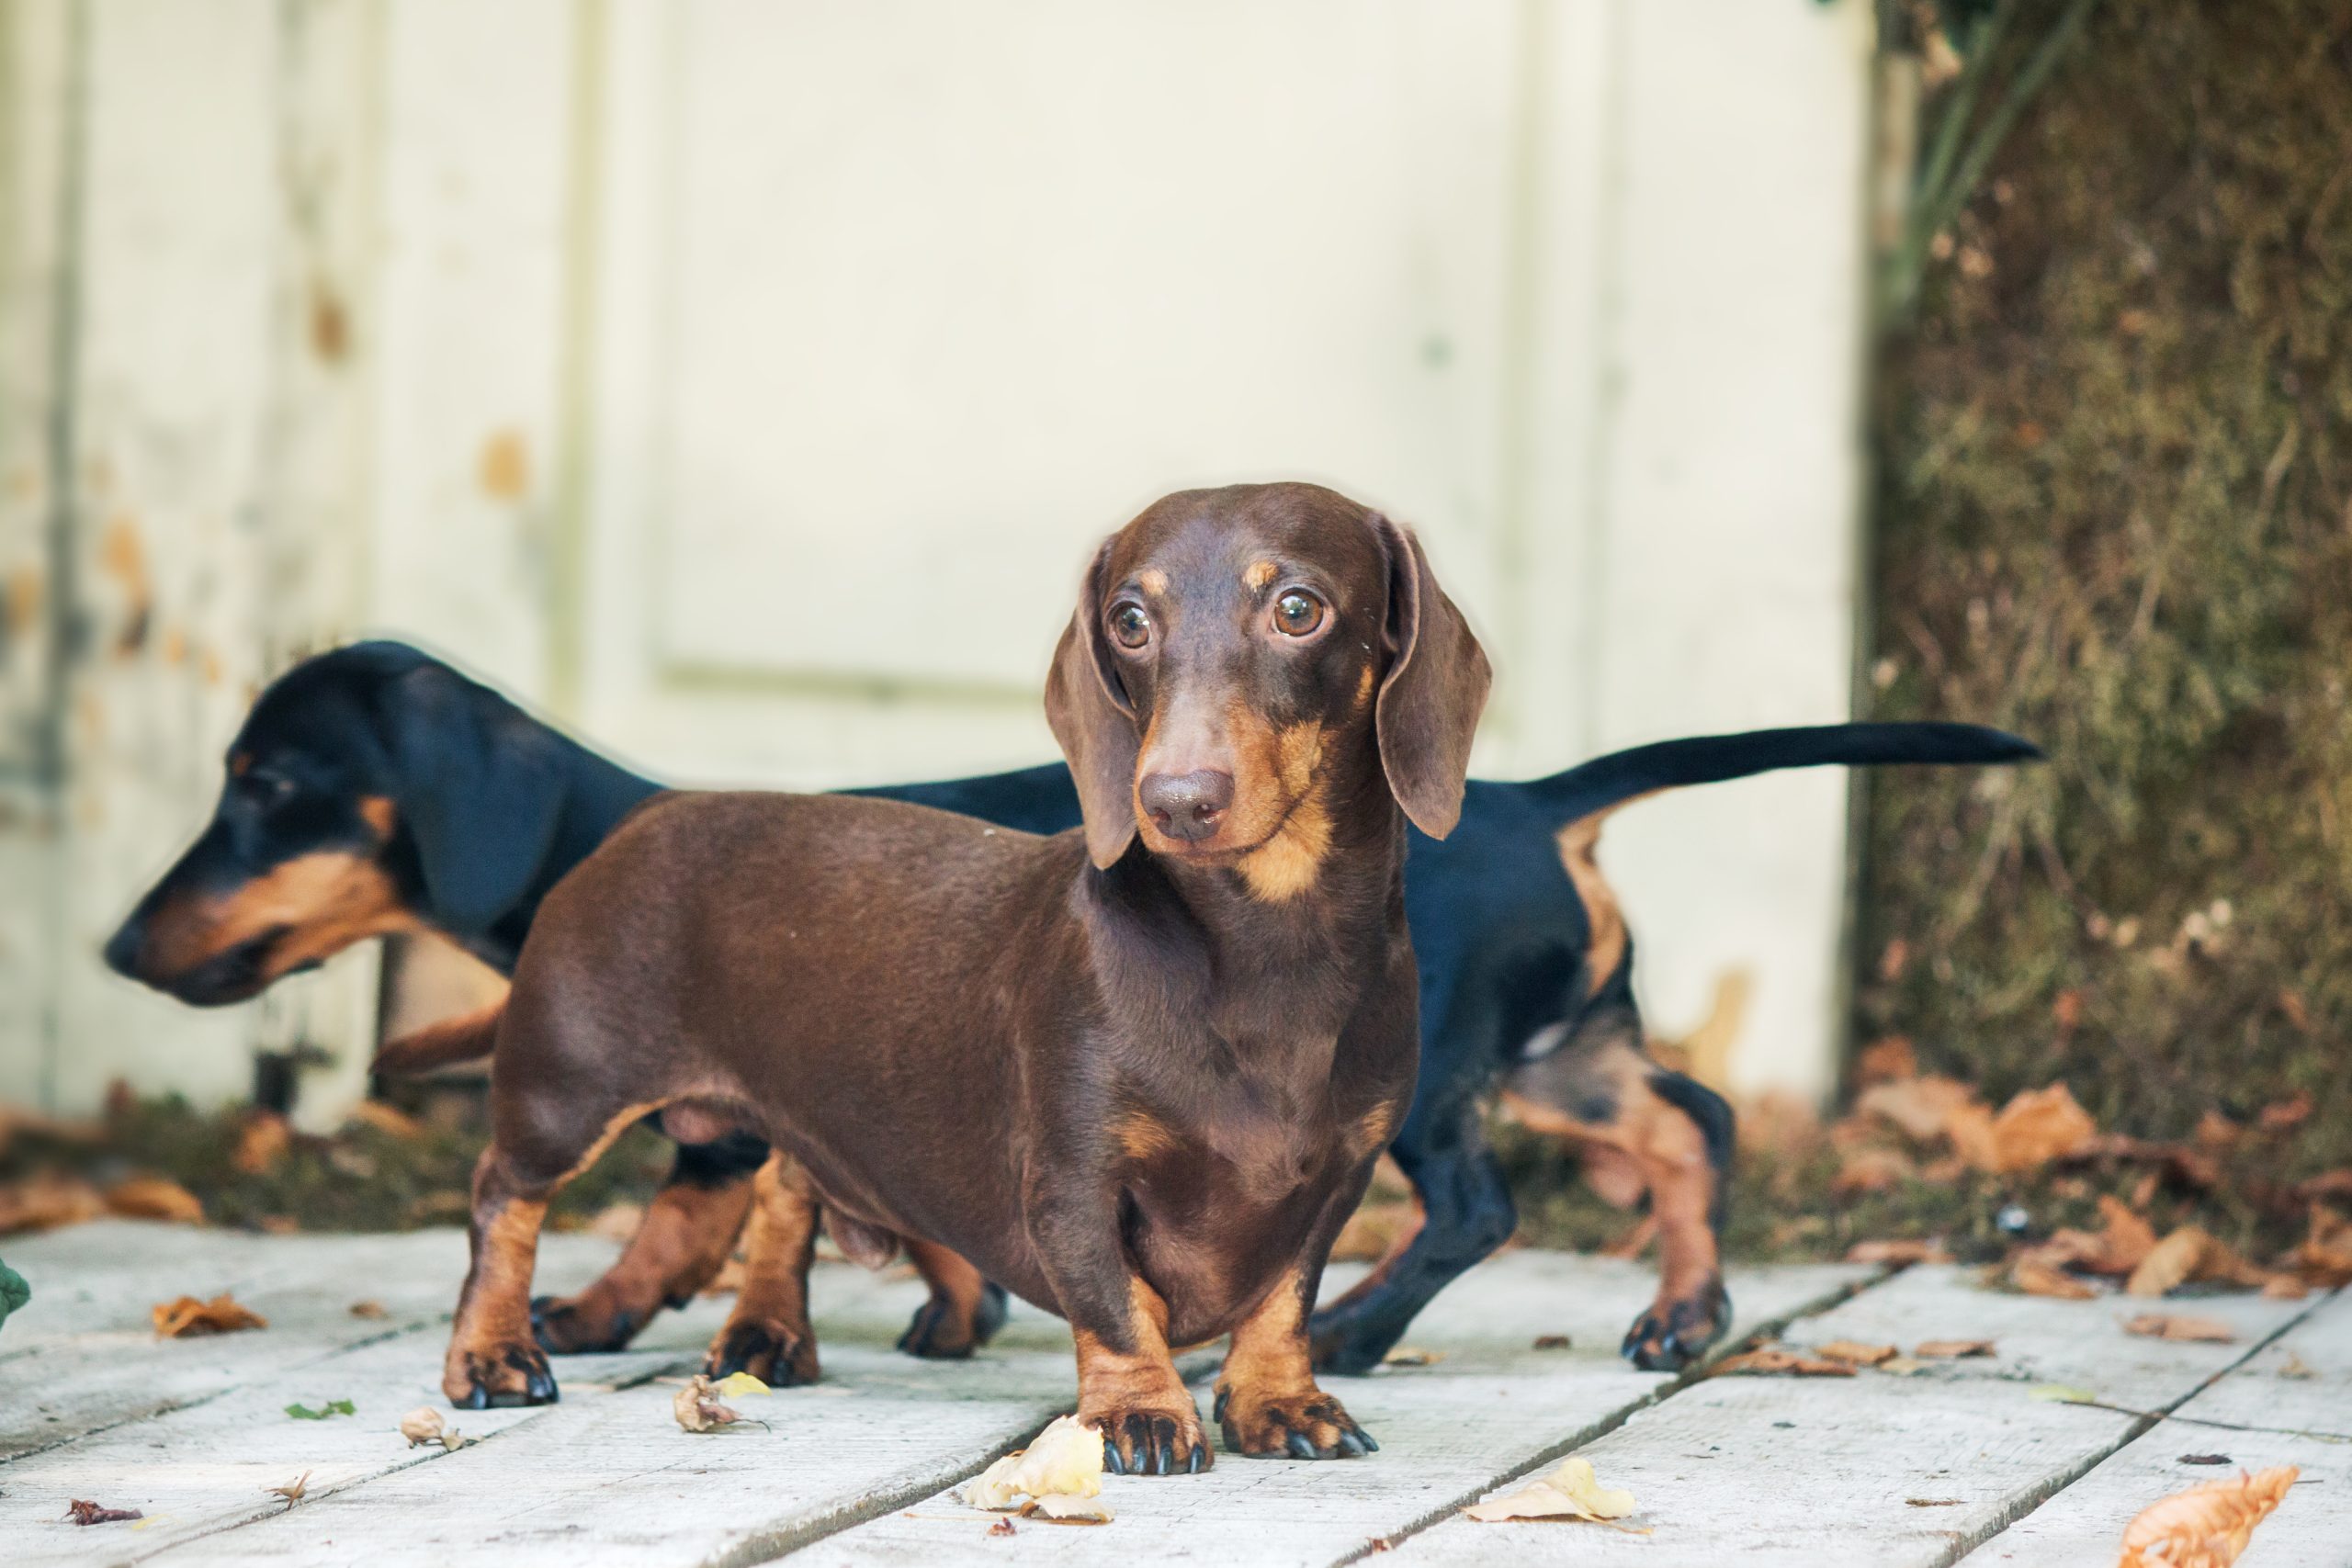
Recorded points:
84,1357
1493,1402
611,1474
2302,1382
1891,1471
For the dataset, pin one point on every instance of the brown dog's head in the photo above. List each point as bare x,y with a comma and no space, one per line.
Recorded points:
1243,658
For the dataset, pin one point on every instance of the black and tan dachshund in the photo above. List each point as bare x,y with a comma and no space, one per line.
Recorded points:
374,789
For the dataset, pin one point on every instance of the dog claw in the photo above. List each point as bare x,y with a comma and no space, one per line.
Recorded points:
1111,1460
1301,1448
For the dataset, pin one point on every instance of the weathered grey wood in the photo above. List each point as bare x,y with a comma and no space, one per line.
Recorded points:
610,1469
82,1357
1445,1430
2311,1529
1807,1471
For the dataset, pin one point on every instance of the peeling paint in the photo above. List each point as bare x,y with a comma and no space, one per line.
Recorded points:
504,469
122,556
330,323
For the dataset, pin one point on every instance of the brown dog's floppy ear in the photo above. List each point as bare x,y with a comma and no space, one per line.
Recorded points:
1094,725
1433,692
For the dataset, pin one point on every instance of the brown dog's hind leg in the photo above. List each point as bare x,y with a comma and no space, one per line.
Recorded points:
768,1333
1678,1135
965,1310
1267,1404
679,1248
1128,1391
492,1358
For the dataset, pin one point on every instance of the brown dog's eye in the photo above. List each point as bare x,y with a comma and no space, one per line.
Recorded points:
1296,613
1129,624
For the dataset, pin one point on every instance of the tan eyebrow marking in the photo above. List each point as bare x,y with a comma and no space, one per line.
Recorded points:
1151,579
1260,574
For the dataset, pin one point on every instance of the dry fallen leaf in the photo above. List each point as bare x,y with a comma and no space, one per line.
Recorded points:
1899,1254
1064,1508
1003,1526
262,1143
424,1425
1953,1349
1872,1170
1571,1492
2167,1326
1553,1342
2169,1263
46,1202
1775,1360
696,1405
2037,1126
2038,1278
1886,1061
2324,1259
153,1198
739,1385
371,1310
1924,1108
2205,1527
292,1491
1412,1356
86,1513
2116,1248
386,1119
188,1318
1063,1461
1860,1355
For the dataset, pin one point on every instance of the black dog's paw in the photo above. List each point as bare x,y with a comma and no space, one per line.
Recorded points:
1673,1334
573,1327
1346,1347
1311,1424
481,1378
777,1354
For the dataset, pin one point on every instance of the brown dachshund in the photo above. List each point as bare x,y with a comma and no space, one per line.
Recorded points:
1181,1034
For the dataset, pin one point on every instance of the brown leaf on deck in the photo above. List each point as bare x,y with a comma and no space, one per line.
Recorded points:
1871,1170
1890,1060
47,1202
1779,1360
1412,1356
1923,1108
2324,1259
696,1405
2167,1326
1553,1342
2169,1263
1860,1354
1897,1254
293,1490
369,1311
2205,1527
1003,1526
2036,1277
87,1513
188,1318
1953,1349
154,1198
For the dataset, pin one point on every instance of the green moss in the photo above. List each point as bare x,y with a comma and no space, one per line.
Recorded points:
2116,515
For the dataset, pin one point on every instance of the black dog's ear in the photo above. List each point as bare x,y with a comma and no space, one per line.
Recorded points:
1433,692
1094,724
479,784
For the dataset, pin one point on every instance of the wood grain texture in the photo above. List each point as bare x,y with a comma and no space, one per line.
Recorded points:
1875,1468
2311,1529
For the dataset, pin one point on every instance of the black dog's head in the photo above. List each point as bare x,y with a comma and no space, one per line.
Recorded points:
1235,653
372,789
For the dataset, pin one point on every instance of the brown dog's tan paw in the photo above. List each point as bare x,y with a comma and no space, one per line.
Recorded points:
1676,1330
479,1377
777,1354
1309,1425
1150,1440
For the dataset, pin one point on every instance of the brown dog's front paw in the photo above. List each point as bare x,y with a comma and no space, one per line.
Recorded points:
1151,1441
587,1323
479,1377
776,1353
1677,1331
1311,1424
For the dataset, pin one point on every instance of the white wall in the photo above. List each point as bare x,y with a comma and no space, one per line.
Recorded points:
634,352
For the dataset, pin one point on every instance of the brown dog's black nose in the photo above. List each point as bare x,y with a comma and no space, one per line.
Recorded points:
1187,806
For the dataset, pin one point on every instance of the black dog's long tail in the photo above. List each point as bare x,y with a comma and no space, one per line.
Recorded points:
1620,776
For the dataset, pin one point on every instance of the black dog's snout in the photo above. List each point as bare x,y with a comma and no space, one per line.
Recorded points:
123,948
1187,805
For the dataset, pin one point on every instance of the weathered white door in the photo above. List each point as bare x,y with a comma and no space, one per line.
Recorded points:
746,380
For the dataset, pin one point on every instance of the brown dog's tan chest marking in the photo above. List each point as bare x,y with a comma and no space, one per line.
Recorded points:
1285,865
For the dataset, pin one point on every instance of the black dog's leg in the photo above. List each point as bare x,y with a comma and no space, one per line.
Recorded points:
1467,1213
684,1239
